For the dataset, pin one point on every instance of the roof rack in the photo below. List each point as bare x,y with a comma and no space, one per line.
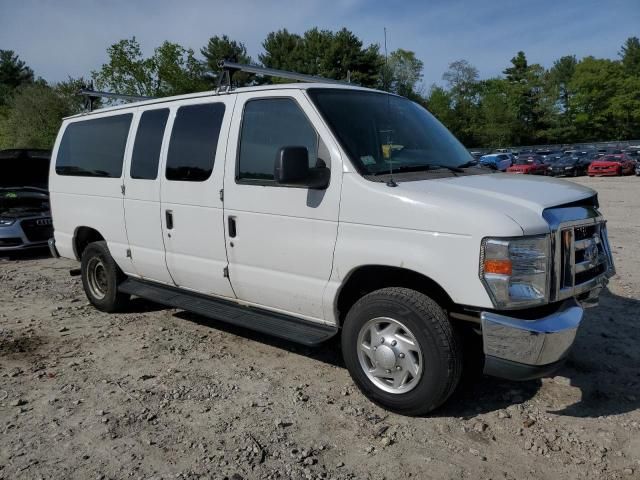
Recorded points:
91,96
229,68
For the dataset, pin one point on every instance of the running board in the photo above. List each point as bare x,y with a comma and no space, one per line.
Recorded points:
263,321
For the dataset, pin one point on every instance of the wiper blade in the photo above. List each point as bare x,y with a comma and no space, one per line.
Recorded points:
418,168
447,167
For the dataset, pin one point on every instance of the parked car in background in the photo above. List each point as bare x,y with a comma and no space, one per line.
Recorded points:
25,219
601,152
546,153
497,161
611,166
633,151
552,158
529,164
572,165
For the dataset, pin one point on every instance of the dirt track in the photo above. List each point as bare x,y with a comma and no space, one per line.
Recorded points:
158,393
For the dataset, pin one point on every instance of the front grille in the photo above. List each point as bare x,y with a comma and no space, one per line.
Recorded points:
584,257
37,229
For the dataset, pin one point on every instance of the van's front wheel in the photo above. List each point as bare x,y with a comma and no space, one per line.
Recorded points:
401,350
100,278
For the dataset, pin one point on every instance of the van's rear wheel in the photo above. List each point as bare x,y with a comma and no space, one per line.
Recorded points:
100,278
401,350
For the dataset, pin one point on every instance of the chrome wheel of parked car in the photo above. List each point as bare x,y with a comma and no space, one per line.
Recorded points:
390,355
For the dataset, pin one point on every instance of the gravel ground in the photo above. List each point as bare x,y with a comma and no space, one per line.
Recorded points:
160,393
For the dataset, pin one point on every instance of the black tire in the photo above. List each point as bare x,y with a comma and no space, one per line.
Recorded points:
439,343
96,257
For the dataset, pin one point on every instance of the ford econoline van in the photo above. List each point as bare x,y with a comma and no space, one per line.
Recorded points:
309,210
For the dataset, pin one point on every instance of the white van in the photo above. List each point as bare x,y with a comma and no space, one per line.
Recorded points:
310,210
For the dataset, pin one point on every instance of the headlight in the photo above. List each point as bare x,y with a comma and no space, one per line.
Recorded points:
5,222
568,168
515,271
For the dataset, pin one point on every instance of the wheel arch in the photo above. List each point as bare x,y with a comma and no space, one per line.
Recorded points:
368,278
83,236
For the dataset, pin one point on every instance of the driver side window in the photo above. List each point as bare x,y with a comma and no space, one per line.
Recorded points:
268,125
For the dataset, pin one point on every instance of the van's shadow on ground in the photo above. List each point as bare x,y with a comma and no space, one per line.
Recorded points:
604,365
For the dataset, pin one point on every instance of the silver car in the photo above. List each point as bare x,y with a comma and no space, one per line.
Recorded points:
25,218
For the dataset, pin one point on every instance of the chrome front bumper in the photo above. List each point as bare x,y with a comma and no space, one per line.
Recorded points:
519,349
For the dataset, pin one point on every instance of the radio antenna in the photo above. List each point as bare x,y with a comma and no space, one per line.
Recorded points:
390,182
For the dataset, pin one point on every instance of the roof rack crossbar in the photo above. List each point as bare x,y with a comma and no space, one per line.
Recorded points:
91,96
230,68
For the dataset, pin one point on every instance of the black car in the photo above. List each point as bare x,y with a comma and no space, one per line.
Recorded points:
572,164
25,218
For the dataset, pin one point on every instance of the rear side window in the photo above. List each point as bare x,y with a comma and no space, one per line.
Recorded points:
194,139
146,149
94,148
267,126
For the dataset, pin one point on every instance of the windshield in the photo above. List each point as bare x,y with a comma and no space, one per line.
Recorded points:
23,171
382,132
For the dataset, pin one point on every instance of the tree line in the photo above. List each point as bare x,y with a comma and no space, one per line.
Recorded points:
576,100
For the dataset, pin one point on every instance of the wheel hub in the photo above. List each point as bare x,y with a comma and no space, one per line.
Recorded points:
390,355
385,357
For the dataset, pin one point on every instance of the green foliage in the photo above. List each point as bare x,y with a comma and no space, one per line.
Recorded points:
223,48
13,73
630,55
338,55
171,70
34,115
573,101
402,73
497,117
462,80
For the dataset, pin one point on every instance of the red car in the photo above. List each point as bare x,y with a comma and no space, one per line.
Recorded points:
611,166
528,164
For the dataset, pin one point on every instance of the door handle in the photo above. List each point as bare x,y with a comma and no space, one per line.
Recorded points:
168,215
232,226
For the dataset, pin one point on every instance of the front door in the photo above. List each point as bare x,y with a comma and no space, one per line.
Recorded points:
280,240
191,204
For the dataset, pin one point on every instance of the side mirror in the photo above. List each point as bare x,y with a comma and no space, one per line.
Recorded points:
291,169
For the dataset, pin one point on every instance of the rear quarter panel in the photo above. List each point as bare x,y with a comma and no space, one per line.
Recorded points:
94,202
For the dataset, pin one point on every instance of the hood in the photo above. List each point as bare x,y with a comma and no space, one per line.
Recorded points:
565,163
23,203
520,198
535,192
606,163
521,167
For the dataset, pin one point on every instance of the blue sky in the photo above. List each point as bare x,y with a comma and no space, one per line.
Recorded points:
61,38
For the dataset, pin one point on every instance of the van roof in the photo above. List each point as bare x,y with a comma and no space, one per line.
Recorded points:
214,93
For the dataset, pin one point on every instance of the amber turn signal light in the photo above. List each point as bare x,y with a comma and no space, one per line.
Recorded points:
498,267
